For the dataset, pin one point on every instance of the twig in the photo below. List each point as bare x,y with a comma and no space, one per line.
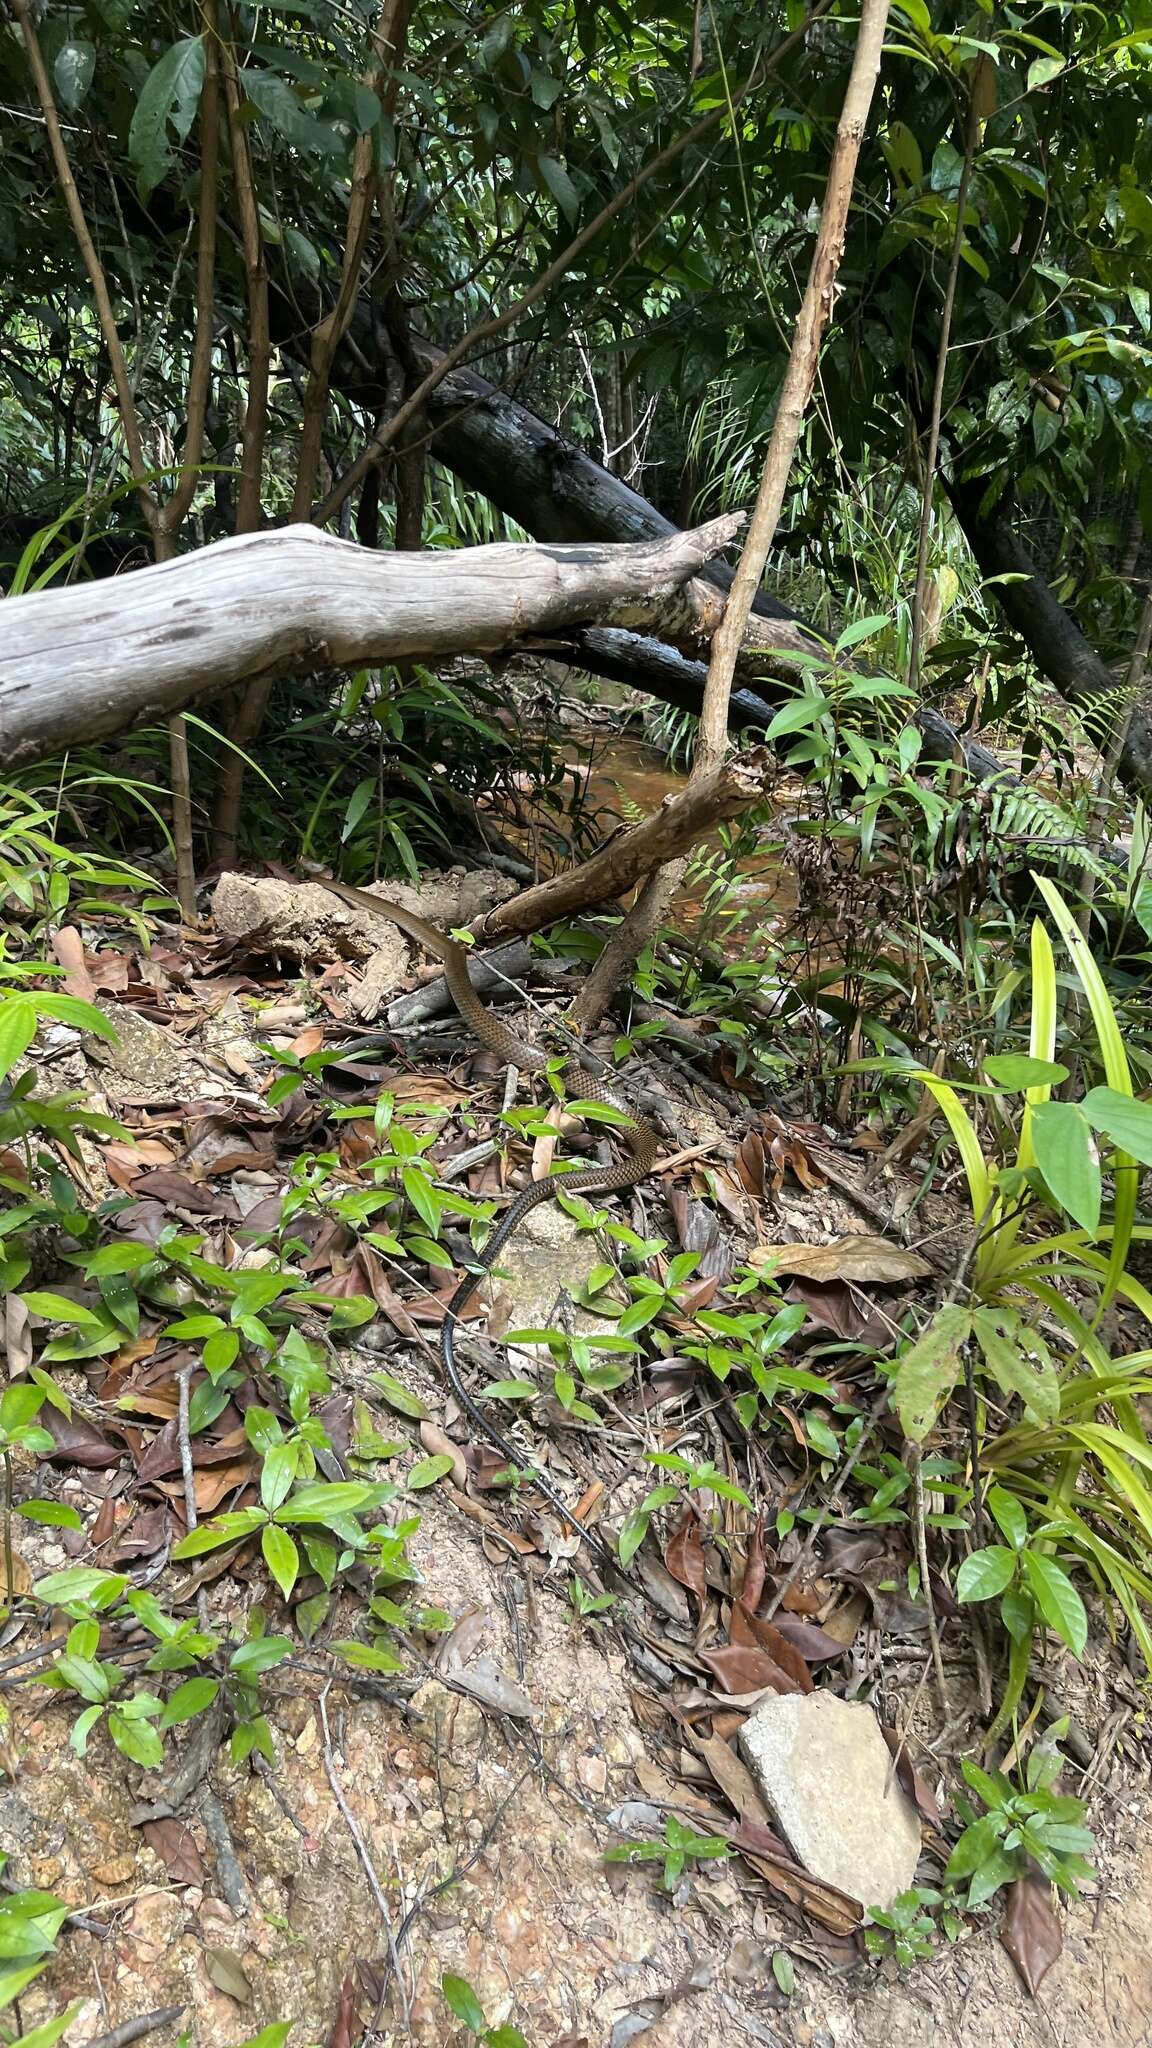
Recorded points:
135,2030
363,1852
914,1461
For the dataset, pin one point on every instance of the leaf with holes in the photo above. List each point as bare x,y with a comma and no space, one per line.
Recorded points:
928,1371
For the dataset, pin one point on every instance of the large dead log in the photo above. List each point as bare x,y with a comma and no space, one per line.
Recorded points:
79,664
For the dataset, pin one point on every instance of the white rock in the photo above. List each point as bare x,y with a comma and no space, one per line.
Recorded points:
826,1773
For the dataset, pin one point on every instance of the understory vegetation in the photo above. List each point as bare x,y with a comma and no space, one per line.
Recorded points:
906,974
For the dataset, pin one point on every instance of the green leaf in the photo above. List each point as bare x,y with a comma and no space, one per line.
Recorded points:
425,1199
927,1372
1043,70
328,1499
14,1981
281,1557
251,1659
53,1514
792,717
135,1739
985,1573
1019,1360
81,1582
861,629
229,1528
1009,1516
1067,1157
19,1405
73,69
188,1699
17,1029
427,1471
58,1309
278,103
559,183
1057,1599
368,1656
169,98
117,1258
279,1469
49,2031
1018,1070
462,2001
1123,1119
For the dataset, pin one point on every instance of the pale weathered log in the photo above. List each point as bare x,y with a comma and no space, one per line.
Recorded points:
79,664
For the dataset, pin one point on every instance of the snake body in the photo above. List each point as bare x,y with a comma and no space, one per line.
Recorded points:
639,1139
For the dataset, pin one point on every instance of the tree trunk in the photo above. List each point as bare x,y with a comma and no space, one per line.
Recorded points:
1050,632
81,663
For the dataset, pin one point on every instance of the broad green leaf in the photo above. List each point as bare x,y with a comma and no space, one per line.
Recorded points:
281,1557
81,1582
58,1309
188,1699
861,629
135,1739
229,1528
1069,1161
369,1656
559,183
424,1198
168,98
49,2031
1019,1070
926,1373
17,1029
1043,70
427,1471
261,1655
1008,1515
461,2000
326,1499
985,1573
1057,1599
1124,1119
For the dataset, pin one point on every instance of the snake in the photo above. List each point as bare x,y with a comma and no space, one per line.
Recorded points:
639,1140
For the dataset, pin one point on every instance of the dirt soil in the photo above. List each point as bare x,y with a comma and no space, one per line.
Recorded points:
484,1834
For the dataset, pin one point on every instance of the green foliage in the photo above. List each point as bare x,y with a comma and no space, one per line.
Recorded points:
464,2005
30,1922
681,1846
1020,1827
907,1929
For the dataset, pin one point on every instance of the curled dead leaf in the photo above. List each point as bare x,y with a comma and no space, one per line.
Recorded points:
857,1257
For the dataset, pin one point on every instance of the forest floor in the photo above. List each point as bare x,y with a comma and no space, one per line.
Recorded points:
455,1818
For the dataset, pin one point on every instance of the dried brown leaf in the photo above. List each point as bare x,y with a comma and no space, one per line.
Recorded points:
176,1849
227,1973
1031,1933
684,1556
739,1668
733,1777
857,1257
747,1627
68,947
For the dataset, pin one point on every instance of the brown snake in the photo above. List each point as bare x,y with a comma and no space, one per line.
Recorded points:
639,1137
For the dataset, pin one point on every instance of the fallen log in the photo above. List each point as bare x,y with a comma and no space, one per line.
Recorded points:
79,664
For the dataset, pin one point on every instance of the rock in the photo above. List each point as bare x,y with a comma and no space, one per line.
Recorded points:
144,1053
825,1771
